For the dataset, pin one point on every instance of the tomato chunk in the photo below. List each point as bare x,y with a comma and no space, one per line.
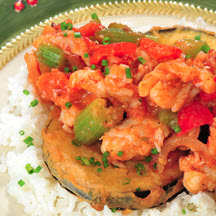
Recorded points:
116,49
194,115
207,97
159,51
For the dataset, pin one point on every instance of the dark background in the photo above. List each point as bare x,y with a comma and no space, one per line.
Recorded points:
12,23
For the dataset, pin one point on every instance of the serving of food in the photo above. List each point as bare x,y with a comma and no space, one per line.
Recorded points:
127,120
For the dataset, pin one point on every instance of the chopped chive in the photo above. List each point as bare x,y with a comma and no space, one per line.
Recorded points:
97,163
205,48
29,169
38,169
113,210
93,67
30,144
155,165
77,34
148,158
154,151
141,60
78,158
128,73
116,166
77,144
65,34
67,70
33,103
138,189
68,105
28,140
120,153
94,16
190,206
21,182
105,154
85,161
176,128
188,56
126,181
197,37
75,68
99,169
91,160
70,26
106,40
64,26
104,62
26,92
21,132
183,212
86,55
106,72
140,169
140,100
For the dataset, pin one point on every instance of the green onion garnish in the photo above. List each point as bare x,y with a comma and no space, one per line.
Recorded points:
65,34
91,160
105,154
68,105
78,158
138,189
155,165
116,166
113,210
106,40
126,181
93,67
38,169
75,68
148,158
94,16
106,72
140,100
77,144
97,163
28,140
104,159
85,161
64,26
33,103
29,169
176,128
21,132
183,212
140,169
205,48
30,144
77,34
86,55
26,92
104,62
120,153
197,37
128,73
190,206
67,70
154,151
188,56
141,60
99,169
21,182
70,26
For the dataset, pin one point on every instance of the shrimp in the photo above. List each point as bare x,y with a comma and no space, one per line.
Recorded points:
89,80
135,138
170,84
118,85
69,44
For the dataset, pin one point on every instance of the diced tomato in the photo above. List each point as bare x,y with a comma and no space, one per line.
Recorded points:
89,29
159,51
116,49
207,97
194,115
54,87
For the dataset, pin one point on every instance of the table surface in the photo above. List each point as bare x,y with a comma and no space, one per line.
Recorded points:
13,23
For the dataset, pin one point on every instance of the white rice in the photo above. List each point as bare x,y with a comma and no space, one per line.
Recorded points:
42,195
